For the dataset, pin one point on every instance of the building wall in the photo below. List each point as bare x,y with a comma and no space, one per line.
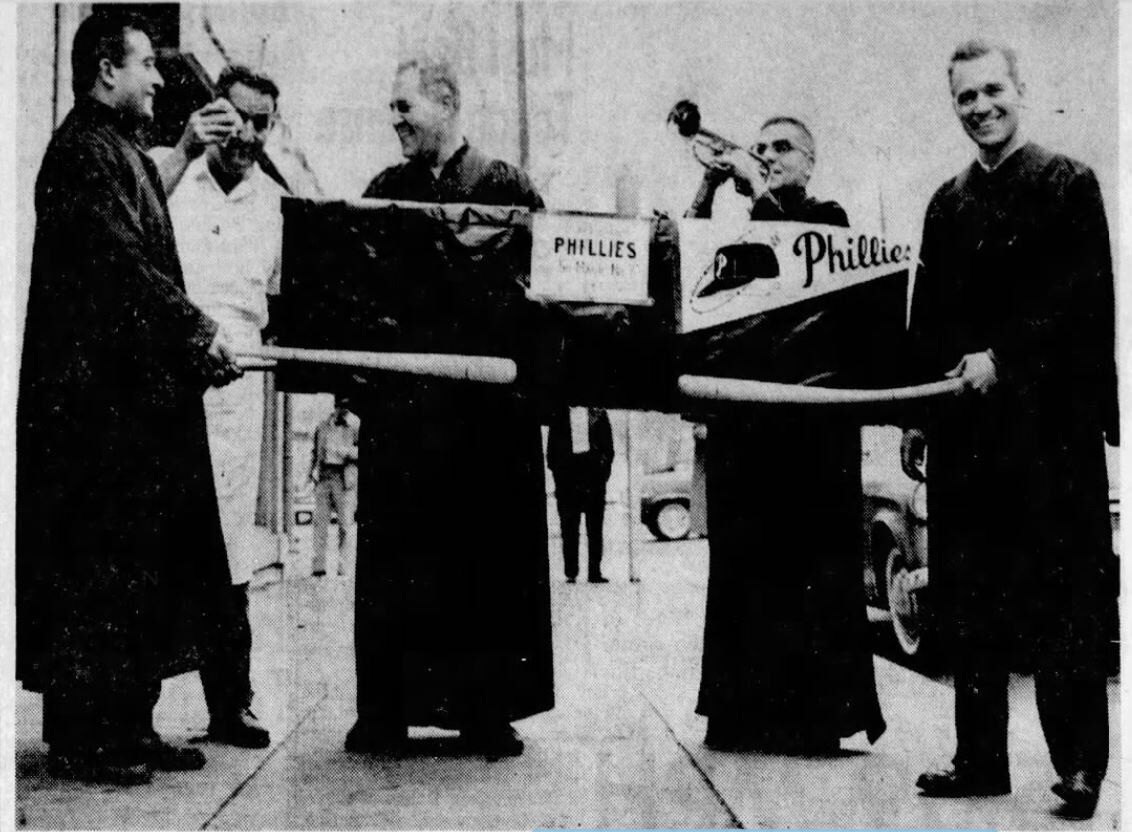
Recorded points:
869,78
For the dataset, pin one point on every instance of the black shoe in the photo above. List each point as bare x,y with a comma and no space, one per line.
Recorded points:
598,579
241,729
960,781
385,740
162,756
571,580
1079,793
492,741
319,573
98,767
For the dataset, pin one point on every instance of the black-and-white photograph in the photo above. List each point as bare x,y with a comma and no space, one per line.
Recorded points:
541,414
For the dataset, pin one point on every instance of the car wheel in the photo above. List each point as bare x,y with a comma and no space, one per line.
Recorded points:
903,586
672,521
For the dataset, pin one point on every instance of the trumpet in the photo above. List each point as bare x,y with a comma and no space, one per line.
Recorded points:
685,118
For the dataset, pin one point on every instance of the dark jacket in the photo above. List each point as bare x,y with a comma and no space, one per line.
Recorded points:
559,451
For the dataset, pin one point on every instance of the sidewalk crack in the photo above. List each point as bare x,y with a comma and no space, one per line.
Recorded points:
734,818
266,759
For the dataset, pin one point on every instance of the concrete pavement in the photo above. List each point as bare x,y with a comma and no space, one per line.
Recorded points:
622,748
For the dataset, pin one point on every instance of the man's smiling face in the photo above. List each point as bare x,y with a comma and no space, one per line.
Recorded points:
986,99
422,123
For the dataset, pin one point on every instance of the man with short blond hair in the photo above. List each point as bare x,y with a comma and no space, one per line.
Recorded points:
1014,295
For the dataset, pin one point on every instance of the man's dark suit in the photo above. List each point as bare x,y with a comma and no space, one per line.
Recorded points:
579,485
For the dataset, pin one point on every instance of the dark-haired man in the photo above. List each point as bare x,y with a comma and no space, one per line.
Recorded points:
120,559
787,665
229,229
1015,296
452,619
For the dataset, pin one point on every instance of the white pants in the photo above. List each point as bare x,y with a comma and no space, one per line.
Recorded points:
234,414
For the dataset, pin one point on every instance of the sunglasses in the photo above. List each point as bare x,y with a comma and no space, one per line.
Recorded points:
258,121
779,146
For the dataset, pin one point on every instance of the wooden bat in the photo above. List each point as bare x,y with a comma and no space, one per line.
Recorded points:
768,392
481,368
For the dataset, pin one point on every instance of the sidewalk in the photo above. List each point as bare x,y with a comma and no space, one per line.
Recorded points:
622,748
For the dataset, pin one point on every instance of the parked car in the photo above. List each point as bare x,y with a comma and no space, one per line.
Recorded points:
666,502
896,540
895,519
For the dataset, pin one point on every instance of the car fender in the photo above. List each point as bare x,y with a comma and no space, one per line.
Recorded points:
652,503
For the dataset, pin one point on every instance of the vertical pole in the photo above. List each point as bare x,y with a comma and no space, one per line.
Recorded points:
629,524
55,118
627,201
288,483
521,77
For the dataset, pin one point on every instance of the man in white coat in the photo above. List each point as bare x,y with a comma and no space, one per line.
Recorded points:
227,221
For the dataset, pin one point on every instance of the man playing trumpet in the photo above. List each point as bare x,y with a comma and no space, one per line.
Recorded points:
787,666
774,173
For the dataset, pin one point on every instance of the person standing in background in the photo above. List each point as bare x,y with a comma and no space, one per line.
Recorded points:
334,472
579,452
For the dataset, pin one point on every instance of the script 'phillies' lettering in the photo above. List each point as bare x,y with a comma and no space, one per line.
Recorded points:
862,252
586,247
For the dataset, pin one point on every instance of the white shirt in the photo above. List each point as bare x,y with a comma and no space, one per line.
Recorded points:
229,244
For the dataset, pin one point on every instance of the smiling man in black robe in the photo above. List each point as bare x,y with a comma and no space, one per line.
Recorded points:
452,617
1015,296
120,563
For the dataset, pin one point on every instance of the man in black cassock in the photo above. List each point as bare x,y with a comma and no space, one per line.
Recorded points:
787,664
120,563
452,616
1015,296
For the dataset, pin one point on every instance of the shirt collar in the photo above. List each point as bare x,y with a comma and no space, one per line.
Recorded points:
454,161
1018,142
247,186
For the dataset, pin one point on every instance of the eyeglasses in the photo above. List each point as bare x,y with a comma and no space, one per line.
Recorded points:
779,146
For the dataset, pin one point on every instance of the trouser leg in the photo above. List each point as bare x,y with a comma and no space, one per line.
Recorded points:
595,523
1074,714
569,517
338,503
225,671
347,532
982,715
321,522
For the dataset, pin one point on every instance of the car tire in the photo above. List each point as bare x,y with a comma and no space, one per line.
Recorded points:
671,520
904,605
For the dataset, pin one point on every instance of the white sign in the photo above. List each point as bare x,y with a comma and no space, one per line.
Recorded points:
593,259
730,271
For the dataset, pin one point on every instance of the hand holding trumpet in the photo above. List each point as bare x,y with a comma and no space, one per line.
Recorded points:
722,158
748,171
